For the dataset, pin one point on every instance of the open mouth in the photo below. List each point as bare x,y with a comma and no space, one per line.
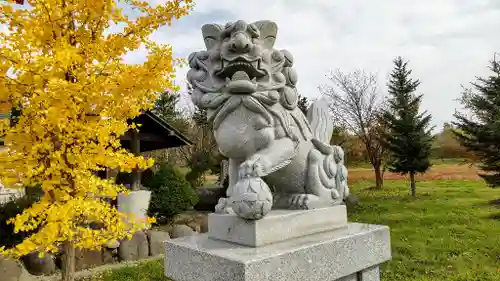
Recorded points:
240,74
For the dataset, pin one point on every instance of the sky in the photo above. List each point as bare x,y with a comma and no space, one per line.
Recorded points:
447,42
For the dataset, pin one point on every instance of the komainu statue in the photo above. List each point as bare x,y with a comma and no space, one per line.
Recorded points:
278,157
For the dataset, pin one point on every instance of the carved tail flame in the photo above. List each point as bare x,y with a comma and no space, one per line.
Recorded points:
320,120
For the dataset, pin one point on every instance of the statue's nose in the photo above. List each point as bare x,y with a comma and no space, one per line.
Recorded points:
240,43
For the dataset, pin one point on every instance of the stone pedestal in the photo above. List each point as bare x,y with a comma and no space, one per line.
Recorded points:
311,245
278,225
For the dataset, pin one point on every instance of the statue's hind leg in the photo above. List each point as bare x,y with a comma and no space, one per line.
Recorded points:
321,172
326,174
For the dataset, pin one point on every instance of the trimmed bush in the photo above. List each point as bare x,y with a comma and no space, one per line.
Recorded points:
11,209
171,193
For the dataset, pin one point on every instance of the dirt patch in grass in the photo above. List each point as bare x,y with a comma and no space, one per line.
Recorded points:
437,172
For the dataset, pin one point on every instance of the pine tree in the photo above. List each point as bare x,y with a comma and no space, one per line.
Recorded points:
409,137
303,104
480,133
165,106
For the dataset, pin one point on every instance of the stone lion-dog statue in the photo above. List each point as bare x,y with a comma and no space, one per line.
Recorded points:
278,157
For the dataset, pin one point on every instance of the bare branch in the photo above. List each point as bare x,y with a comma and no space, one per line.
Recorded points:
354,101
355,105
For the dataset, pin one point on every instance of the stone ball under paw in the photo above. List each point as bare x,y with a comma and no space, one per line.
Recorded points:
251,199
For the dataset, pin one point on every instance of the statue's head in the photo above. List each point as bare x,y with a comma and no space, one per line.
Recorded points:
240,59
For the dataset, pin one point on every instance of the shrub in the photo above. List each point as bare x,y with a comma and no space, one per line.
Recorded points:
171,194
9,210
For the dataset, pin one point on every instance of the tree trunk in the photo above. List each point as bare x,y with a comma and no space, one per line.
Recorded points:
413,185
68,262
379,177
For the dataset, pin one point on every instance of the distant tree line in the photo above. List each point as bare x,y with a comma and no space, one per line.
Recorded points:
390,133
393,134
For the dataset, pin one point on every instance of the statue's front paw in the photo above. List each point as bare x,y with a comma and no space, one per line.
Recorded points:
302,201
298,201
222,206
255,167
335,194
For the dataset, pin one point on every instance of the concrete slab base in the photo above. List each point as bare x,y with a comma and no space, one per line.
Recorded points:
351,253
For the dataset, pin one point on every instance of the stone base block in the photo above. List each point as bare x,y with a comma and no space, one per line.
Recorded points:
345,254
277,226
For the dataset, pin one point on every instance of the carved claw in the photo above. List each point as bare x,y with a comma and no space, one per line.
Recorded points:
303,201
223,206
255,166
335,194
298,201
346,190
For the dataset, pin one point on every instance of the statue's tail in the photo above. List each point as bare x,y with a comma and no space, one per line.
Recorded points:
318,116
321,122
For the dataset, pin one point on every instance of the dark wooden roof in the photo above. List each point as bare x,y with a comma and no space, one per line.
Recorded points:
155,133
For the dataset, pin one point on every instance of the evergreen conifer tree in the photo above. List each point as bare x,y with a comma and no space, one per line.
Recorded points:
408,137
480,132
166,106
303,104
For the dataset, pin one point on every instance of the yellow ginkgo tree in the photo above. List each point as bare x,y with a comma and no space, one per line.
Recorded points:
65,73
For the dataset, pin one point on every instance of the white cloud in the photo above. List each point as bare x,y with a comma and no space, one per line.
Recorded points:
448,42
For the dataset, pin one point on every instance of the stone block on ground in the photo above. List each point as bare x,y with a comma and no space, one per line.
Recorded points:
134,249
156,242
204,224
278,225
109,256
113,244
337,255
13,270
352,200
85,258
38,266
181,230
195,226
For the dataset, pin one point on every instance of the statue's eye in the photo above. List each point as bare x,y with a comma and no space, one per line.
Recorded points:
253,30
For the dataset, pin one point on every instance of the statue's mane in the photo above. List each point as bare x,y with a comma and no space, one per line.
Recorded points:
275,98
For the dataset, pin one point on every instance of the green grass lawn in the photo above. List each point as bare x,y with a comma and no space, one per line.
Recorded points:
434,161
451,233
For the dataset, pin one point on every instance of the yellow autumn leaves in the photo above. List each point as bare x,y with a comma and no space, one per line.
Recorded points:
54,227
66,74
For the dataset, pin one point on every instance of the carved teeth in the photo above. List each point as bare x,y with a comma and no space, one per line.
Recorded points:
240,75
228,80
254,79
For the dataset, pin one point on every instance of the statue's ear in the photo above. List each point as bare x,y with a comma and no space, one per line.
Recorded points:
211,34
268,30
